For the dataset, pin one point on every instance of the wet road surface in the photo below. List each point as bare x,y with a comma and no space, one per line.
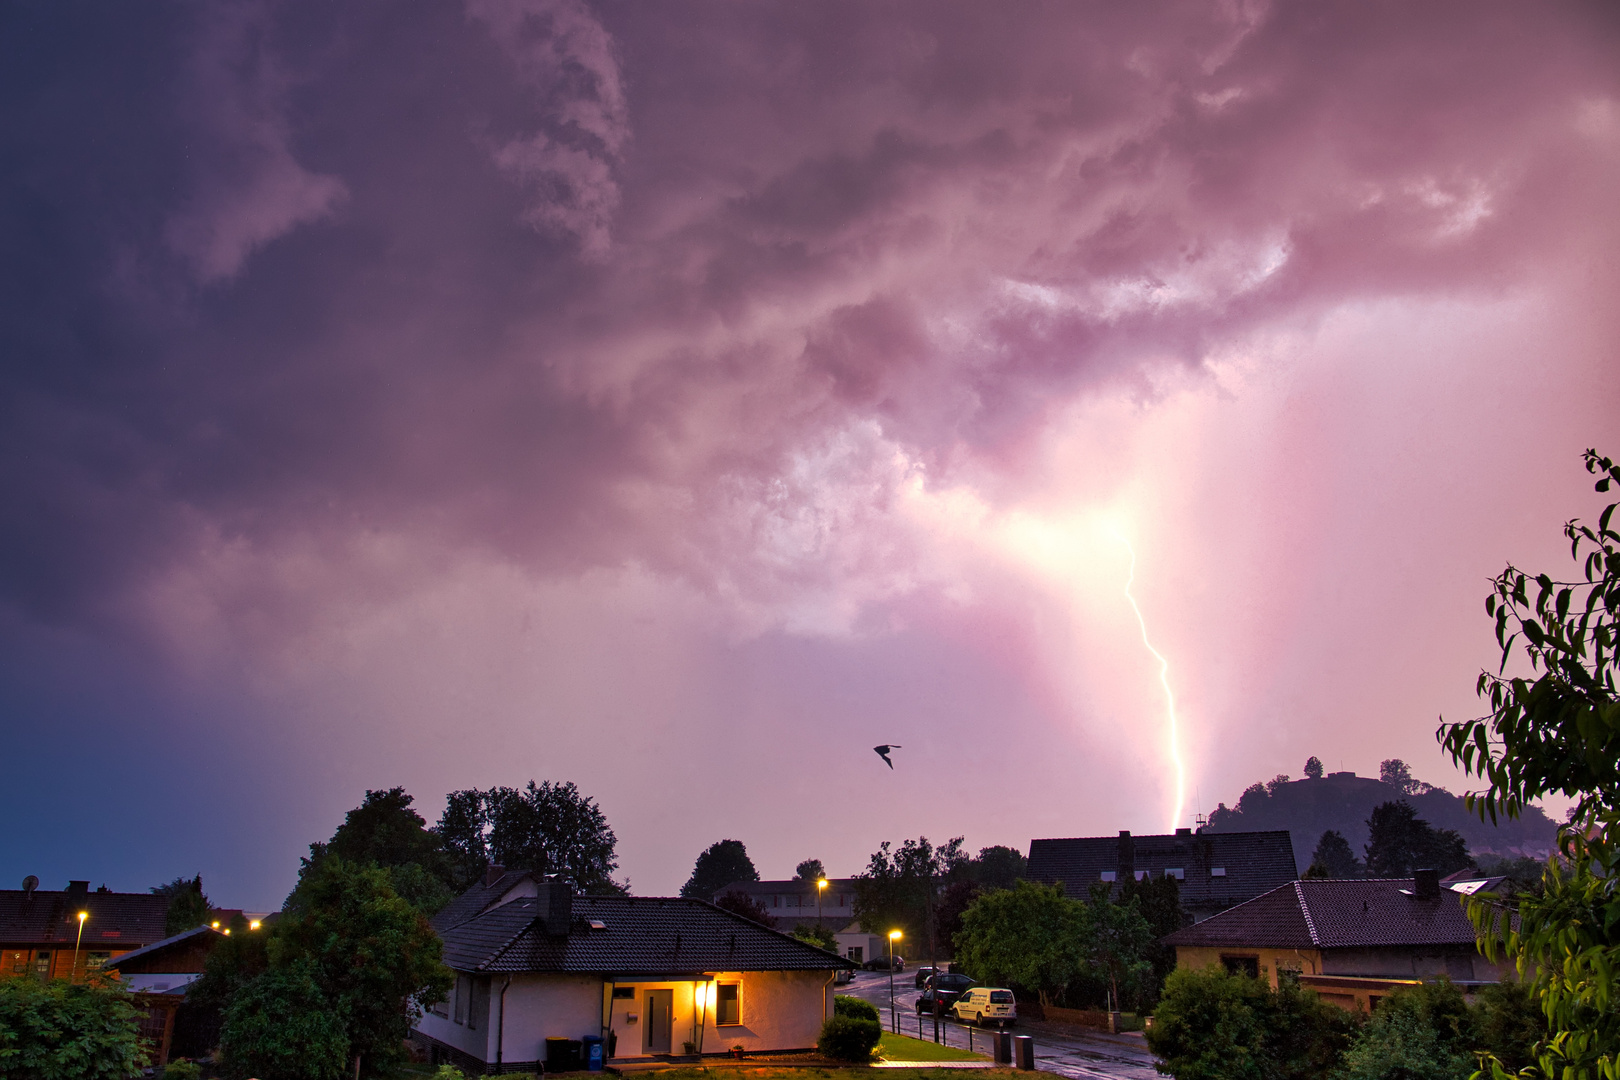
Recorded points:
1059,1048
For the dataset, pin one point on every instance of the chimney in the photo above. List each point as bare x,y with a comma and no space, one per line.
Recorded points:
1426,884
493,873
1127,856
77,891
1184,832
555,907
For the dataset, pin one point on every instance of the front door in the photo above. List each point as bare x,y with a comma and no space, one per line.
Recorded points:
660,1006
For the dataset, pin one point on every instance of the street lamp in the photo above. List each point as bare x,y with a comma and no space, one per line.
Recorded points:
894,1022
83,915
821,890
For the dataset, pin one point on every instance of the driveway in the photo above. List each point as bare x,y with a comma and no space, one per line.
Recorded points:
1059,1048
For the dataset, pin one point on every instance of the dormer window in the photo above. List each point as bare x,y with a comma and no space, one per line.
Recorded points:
1108,875
1217,871
1176,872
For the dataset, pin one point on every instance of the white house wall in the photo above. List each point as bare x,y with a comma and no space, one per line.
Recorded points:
781,1010
539,1007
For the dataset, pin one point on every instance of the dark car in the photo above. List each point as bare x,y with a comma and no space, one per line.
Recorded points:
947,988
925,973
881,963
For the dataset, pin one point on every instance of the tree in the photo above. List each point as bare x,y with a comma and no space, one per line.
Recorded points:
1399,842
1276,782
283,1025
999,867
1313,767
54,1029
1397,774
188,907
1556,729
954,900
232,964
722,863
373,955
1334,858
1030,937
383,831
809,870
550,828
815,934
901,887
1159,901
1120,947
740,903
463,829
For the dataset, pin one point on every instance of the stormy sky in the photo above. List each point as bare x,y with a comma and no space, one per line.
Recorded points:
681,399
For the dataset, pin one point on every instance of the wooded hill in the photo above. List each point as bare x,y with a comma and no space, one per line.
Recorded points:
1344,801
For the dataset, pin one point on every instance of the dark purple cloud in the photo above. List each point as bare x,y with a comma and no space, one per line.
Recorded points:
318,322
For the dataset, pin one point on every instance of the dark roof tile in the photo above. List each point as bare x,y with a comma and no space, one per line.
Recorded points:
121,920
1253,863
1336,914
640,935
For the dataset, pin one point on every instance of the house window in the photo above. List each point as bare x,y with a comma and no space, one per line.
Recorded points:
1176,872
624,993
463,993
97,960
1108,875
855,953
1217,871
1287,976
1142,875
42,964
728,1004
1242,965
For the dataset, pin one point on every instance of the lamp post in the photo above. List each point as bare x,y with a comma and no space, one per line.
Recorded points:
894,1022
821,890
74,974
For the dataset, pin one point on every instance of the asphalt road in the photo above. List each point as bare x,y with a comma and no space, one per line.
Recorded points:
1059,1048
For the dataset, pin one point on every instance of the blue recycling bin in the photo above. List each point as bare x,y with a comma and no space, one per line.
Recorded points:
593,1053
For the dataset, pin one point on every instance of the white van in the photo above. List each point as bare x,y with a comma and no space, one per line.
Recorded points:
986,1005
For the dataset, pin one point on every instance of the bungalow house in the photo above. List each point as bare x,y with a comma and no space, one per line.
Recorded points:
650,977
1213,871
40,929
1352,941
795,902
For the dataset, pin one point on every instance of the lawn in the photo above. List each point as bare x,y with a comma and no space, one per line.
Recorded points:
905,1048
766,1072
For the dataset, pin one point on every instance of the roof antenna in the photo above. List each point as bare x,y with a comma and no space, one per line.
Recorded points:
1198,800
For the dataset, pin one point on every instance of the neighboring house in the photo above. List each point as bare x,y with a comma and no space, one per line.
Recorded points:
647,975
792,903
159,975
1214,871
39,929
858,946
1352,941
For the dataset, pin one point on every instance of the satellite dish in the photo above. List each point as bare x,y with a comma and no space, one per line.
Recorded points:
30,883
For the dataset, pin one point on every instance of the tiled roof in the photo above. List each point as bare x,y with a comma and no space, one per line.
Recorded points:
1254,862
122,920
638,935
1334,914
476,899
158,946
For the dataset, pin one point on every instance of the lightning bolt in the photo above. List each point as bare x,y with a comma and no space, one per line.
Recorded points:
1174,726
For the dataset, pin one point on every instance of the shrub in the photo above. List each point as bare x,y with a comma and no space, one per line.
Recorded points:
847,1038
282,1025
449,1072
181,1069
1424,1032
1213,1025
1510,1023
55,1029
846,1005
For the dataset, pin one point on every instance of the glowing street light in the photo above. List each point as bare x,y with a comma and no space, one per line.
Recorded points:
83,915
894,1021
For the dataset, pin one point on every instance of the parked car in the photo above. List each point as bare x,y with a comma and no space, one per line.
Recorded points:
983,1005
881,963
947,987
844,977
925,972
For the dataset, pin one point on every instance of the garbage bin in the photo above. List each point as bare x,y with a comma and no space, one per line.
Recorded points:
593,1052
562,1055
1002,1041
1024,1052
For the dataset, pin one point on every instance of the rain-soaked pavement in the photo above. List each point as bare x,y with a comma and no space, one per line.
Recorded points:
1059,1048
